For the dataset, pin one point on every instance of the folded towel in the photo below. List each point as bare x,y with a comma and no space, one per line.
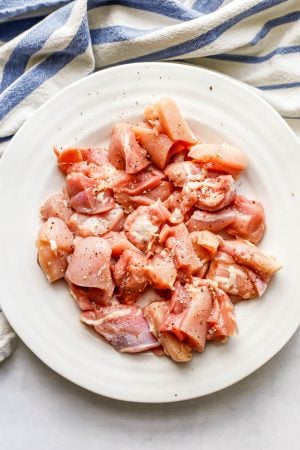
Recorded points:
7,338
47,44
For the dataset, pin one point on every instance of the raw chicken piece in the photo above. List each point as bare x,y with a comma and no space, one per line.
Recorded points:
236,280
179,153
147,297
219,157
98,224
70,157
92,201
243,218
179,301
161,270
178,208
140,183
158,145
104,175
123,326
142,189
124,151
152,119
56,232
53,265
77,182
205,244
95,155
87,299
221,321
247,254
173,122
90,170
189,311
67,157
54,243
130,275
143,224
201,273
211,194
88,196
212,221
130,203
183,172
178,241
118,243
89,265
155,314
57,206
249,221
161,192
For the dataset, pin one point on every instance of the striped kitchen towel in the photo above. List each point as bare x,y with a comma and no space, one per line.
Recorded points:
47,44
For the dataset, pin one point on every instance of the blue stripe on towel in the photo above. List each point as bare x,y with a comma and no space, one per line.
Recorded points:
11,29
256,59
270,87
117,33
168,8
31,43
207,6
32,79
206,38
14,8
268,26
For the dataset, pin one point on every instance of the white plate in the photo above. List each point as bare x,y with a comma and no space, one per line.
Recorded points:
45,316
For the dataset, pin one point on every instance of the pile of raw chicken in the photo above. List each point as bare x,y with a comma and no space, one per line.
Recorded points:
134,233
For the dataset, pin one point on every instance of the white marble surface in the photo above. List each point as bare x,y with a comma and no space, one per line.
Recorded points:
39,410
